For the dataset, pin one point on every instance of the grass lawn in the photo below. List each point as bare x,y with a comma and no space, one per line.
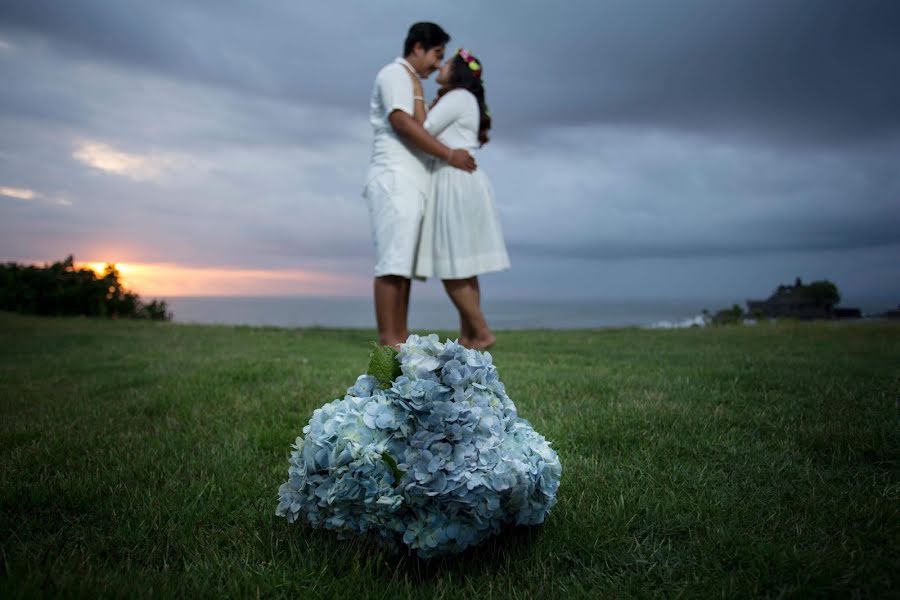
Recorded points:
142,459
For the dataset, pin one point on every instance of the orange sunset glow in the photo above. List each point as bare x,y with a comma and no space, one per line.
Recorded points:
162,279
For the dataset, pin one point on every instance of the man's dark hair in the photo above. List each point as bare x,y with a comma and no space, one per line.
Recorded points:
427,34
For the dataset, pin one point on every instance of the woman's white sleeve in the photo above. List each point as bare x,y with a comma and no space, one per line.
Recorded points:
445,112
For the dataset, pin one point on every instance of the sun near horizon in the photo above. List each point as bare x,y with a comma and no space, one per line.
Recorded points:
171,279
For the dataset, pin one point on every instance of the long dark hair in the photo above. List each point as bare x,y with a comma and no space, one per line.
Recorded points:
461,76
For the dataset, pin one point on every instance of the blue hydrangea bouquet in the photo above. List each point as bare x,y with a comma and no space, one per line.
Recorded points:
425,450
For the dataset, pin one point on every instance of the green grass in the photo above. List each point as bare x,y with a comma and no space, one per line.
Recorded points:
142,459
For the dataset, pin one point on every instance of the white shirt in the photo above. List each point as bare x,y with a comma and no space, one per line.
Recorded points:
455,120
393,90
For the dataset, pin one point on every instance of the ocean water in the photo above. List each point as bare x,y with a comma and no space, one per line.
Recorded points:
436,313
427,313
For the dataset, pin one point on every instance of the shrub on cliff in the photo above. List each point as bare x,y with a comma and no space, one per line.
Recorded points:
61,289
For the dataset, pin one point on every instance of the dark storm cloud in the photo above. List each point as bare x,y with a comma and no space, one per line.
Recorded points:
815,70
53,107
811,233
281,52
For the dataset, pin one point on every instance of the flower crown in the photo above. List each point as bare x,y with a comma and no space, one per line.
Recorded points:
474,65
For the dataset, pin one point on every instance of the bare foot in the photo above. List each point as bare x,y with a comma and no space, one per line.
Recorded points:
479,343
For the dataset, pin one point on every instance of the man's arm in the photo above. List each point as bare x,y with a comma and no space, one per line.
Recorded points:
418,100
413,132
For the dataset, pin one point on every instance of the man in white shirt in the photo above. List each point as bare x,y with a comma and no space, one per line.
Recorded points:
397,181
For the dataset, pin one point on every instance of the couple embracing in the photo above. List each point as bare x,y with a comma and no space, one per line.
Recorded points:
432,211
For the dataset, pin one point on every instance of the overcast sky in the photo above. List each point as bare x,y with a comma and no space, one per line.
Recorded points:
640,149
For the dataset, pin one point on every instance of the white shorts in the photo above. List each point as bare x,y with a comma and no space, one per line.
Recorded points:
395,210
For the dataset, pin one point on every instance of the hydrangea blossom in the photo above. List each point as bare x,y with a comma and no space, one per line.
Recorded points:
437,462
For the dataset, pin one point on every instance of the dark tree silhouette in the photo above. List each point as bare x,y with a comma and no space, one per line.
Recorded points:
61,289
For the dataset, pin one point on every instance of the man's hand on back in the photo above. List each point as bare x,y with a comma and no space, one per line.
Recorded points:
412,132
461,159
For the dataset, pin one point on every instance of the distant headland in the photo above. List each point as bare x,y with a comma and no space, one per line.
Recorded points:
818,300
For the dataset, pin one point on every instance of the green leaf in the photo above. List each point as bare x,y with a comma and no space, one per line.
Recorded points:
398,474
383,364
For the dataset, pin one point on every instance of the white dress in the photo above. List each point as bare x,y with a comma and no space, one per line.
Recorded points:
461,234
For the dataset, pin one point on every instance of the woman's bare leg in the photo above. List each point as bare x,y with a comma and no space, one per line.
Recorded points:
466,296
466,330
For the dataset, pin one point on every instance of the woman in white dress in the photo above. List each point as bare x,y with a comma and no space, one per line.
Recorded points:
461,236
